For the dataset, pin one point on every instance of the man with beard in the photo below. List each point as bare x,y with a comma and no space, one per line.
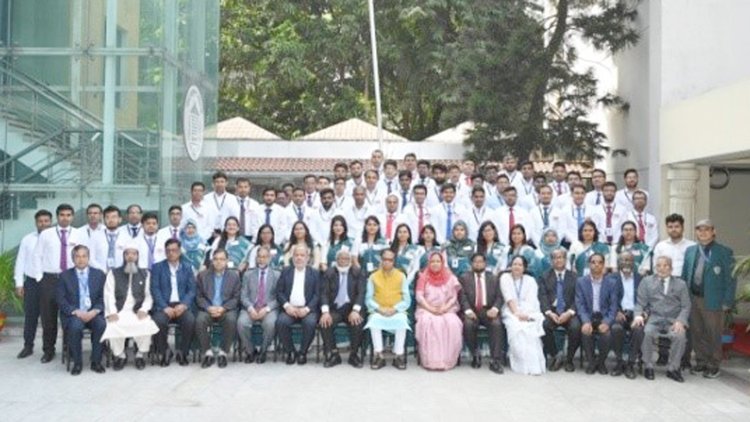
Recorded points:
439,174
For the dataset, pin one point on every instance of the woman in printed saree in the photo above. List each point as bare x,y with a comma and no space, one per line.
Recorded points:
267,237
459,249
407,254
489,245
338,239
367,249
586,245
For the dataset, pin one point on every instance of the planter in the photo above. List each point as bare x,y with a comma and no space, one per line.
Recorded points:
3,318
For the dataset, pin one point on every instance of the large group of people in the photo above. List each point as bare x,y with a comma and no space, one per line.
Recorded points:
434,250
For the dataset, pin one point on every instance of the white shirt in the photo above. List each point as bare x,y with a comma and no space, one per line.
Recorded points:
501,218
411,216
25,258
355,219
650,225
439,217
628,289
47,250
320,223
297,296
624,197
253,215
554,220
223,207
175,295
398,218
676,251
666,284
375,199
569,220
592,196
165,233
599,217
351,184
203,216
144,250
559,188
279,220
89,231
477,216
99,249
343,201
128,229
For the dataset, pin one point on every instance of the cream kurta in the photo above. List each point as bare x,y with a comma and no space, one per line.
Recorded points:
128,323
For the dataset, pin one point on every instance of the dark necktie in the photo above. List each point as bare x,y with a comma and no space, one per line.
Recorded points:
242,217
479,300
268,216
260,301
560,295
63,250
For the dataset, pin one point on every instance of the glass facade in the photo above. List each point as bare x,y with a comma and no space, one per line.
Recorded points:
91,102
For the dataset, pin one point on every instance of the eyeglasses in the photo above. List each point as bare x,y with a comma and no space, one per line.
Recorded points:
387,259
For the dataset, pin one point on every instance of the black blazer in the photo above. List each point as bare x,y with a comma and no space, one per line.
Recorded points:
548,290
356,284
467,297
312,289
67,291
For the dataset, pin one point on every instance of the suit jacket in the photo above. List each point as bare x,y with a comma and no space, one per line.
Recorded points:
620,290
467,297
67,293
356,283
312,289
161,284
658,307
230,290
548,291
719,286
585,300
250,282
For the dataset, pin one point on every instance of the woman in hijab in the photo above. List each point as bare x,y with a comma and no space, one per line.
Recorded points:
438,328
193,246
547,244
459,249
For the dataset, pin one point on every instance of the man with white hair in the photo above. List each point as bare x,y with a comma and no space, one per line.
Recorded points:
127,302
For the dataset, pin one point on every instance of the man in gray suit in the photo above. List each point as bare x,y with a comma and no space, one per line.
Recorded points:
260,305
218,299
664,306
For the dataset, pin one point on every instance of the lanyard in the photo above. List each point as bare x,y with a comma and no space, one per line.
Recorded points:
196,211
518,287
476,218
219,206
371,198
706,258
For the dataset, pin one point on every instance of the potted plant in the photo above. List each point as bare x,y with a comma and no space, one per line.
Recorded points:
8,298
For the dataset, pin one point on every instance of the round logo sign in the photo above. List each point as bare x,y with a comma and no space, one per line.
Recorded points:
193,120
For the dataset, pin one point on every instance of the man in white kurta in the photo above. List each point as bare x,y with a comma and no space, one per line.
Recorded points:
127,301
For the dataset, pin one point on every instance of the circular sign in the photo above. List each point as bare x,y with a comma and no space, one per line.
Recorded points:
193,120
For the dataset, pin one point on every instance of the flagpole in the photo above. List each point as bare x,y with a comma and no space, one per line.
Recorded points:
375,73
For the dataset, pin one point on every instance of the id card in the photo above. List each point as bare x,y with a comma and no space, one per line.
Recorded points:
454,263
370,267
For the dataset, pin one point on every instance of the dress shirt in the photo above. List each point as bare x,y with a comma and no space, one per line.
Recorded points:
203,216
218,285
628,289
297,296
676,251
666,284
596,287
25,258
47,250
84,295
175,295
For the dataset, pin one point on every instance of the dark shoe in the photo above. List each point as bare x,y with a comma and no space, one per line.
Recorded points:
618,369
76,369
166,359
332,361
140,363
698,369
249,357
630,371
25,352
182,359
686,366
222,361
648,373
262,357
48,357
557,364
207,361
119,363
711,373
355,361
496,367
569,366
476,362
675,375
302,359
590,369
97,367
378,362
291,358
663,359
399,362
602,368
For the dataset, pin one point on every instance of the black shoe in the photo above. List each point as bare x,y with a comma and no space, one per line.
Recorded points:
140,363
166,359
355,361
207,361
332,361
119,363
222,361
249,357
569,366
590,369
378,362
399,362
97,367
698,369
291,358
686,366
662,361
25,352
76,369
557,364
496,367
711,373
602,368
48,357
476,362
630,371
302,359
618,369
182,359
648,373
675,375
262,357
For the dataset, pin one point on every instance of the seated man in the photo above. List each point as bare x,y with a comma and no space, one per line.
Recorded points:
626,281
342,297
664,304
557,293
299,295
596,304
127,301
173,289
80,297
218,299
259,302
481,300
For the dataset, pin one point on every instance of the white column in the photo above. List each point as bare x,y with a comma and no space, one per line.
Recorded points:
683,189
108,141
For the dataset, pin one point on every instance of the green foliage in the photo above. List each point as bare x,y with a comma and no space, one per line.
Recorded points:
8,298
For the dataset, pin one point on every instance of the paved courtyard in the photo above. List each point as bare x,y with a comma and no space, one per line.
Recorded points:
30,391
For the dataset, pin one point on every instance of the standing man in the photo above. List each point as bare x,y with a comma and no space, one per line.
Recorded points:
133,215
647,228
417,214
149,250
356,179
625,195
171,231
609,216
447,213
203,215
509,215
708,271
356,213
53,254
248,209
93,220
320,217
222,203
594,197
274,215
259,302
558,184
107,246
27,287
674,246
479,212
390,218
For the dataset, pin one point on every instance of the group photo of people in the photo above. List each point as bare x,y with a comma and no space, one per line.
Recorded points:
492,265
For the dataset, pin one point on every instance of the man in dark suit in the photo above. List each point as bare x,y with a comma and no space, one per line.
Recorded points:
342,298
708,271
557,298
481,301
80,297
218,300
299,295
626,281
596,304
259,304
173,290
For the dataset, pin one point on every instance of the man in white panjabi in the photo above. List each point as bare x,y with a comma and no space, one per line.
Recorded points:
127,301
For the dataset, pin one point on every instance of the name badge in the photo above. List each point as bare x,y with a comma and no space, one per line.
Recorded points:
234,243
345,248
468,248
87,303
454,263
274,252
370,267
608,231
230,264
717,270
